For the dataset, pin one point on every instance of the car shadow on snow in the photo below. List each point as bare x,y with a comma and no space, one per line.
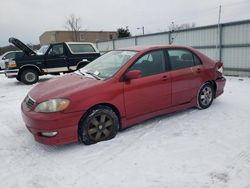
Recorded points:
156,120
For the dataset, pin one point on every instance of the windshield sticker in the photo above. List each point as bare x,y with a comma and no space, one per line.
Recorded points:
96,73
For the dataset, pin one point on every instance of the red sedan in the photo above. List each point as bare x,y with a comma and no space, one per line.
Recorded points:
119,89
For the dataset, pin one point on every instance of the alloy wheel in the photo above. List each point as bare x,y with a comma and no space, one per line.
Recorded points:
100,127
206,96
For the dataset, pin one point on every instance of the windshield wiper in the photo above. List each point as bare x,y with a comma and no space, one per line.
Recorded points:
94,75
91,74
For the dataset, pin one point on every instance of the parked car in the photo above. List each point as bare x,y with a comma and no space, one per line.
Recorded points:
9,55
60,57
119,89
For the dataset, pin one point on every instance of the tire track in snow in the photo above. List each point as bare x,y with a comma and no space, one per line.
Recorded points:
221,178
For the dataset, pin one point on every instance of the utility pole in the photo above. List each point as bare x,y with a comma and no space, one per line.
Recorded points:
171,31
142,28
218,43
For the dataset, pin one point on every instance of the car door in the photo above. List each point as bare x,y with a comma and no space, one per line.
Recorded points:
185,73
152,91
56,59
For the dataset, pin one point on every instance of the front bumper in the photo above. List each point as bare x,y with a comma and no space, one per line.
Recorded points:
220,84
66,125
11,73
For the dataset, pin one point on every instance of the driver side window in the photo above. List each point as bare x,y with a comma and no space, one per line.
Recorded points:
56,50
150,64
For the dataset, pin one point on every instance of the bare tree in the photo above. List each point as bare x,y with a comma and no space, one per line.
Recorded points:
175,27
73,24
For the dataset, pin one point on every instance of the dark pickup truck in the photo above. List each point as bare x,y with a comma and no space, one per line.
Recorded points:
55,59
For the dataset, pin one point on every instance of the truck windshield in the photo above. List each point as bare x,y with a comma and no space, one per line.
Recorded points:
42,50
107,65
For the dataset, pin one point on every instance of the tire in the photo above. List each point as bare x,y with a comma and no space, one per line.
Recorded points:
29,76
18,78
98,124
205,96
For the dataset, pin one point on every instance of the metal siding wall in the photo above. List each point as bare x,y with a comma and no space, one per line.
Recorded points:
105,46
237,58
211,53
153,39
203,37
236,73
236,34
121,43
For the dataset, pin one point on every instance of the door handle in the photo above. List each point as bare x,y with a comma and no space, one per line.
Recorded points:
164,78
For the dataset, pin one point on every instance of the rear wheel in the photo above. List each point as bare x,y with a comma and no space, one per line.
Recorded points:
205,96
29,76
99,124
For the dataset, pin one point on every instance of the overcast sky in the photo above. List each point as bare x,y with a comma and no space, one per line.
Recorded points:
28,19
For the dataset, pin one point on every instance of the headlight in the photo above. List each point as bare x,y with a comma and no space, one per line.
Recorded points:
11,64
53,105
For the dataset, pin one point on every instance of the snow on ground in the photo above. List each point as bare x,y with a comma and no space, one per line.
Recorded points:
193,148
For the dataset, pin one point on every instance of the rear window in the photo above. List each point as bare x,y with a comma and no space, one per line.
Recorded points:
81,48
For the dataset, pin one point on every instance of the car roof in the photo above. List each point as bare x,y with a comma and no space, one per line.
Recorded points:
152,47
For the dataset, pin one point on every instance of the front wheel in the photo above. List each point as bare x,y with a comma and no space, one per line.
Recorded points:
205,96
29,76
18,78
99,124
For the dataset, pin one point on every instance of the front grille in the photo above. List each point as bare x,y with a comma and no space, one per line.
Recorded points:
29,102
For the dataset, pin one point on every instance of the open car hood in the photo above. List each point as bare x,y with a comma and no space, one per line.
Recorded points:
22,46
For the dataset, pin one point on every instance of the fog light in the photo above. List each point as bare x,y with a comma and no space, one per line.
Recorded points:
49,134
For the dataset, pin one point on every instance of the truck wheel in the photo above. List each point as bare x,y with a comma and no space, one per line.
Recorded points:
29,76
18,78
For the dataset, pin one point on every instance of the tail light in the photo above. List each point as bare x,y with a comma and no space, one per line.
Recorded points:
219,68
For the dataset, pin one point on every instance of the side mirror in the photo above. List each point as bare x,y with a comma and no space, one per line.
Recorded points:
4,58
134,74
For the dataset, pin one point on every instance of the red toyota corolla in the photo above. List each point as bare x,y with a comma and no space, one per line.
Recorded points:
119,89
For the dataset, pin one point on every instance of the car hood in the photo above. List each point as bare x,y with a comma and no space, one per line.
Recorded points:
22,46
62,87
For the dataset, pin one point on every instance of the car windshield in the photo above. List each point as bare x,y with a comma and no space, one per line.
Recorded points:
108,64
42,50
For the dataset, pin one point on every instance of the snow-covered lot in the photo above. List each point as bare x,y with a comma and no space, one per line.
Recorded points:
193,148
